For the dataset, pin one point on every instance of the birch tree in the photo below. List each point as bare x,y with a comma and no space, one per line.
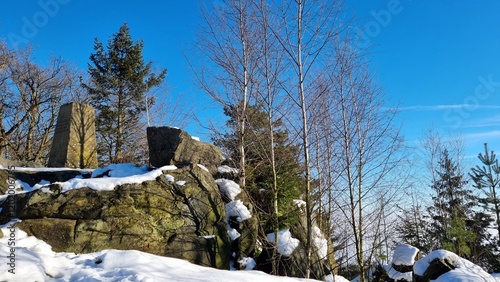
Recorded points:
307,30
228,47
369,149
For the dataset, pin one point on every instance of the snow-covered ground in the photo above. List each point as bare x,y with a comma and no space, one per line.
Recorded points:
34,260
26,258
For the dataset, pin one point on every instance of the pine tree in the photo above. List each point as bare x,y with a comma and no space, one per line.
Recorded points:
119,82
487,178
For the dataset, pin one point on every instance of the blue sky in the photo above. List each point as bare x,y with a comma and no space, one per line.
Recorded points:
438,60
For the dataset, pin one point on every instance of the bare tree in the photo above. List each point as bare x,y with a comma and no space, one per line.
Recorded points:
306,32
368,148
228,46
33,95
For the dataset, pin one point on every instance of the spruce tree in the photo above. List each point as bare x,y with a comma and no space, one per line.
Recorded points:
452,209
119,83
259,174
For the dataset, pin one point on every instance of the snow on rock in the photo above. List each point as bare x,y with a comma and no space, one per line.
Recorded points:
237,209
170,178
195,138
119,170
404,255
396,275
286,243
247,263
35,261
300,204
335,278
320,243
228,188
232,233
227,169
109,183
464,269
203,167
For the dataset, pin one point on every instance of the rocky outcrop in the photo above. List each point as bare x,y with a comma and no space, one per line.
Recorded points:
173,146
184,218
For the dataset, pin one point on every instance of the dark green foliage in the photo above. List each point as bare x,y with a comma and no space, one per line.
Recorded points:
487,178
259,173
452,208
119,82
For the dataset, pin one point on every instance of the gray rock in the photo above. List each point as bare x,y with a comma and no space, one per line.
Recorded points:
173,146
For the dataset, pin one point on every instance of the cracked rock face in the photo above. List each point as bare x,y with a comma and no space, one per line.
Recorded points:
159,217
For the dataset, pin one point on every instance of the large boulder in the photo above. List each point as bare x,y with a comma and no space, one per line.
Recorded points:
180,214
173,146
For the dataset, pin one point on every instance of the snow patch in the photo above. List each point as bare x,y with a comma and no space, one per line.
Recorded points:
404,255
320,243
237,209
120,170
203,167
247,263
109,183
228,188
286,243
227,169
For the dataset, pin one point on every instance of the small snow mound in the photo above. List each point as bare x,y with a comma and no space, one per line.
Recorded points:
464,269
404,255
320,243
181,182
228,188
237,209
286,243
195,138
247,263
227,169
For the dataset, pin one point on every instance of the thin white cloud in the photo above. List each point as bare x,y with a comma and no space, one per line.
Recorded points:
491,121
483,136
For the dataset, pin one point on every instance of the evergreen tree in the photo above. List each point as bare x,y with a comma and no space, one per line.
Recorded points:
119,83
487,178
452,209
259,175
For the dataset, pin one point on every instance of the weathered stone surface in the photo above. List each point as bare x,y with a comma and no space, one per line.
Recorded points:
74,142
56,230
172,146
436,268
159,217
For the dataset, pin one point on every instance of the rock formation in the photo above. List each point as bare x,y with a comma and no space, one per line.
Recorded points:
160,217
173,146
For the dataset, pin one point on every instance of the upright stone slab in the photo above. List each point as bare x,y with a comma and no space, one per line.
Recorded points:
173,146
74,142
